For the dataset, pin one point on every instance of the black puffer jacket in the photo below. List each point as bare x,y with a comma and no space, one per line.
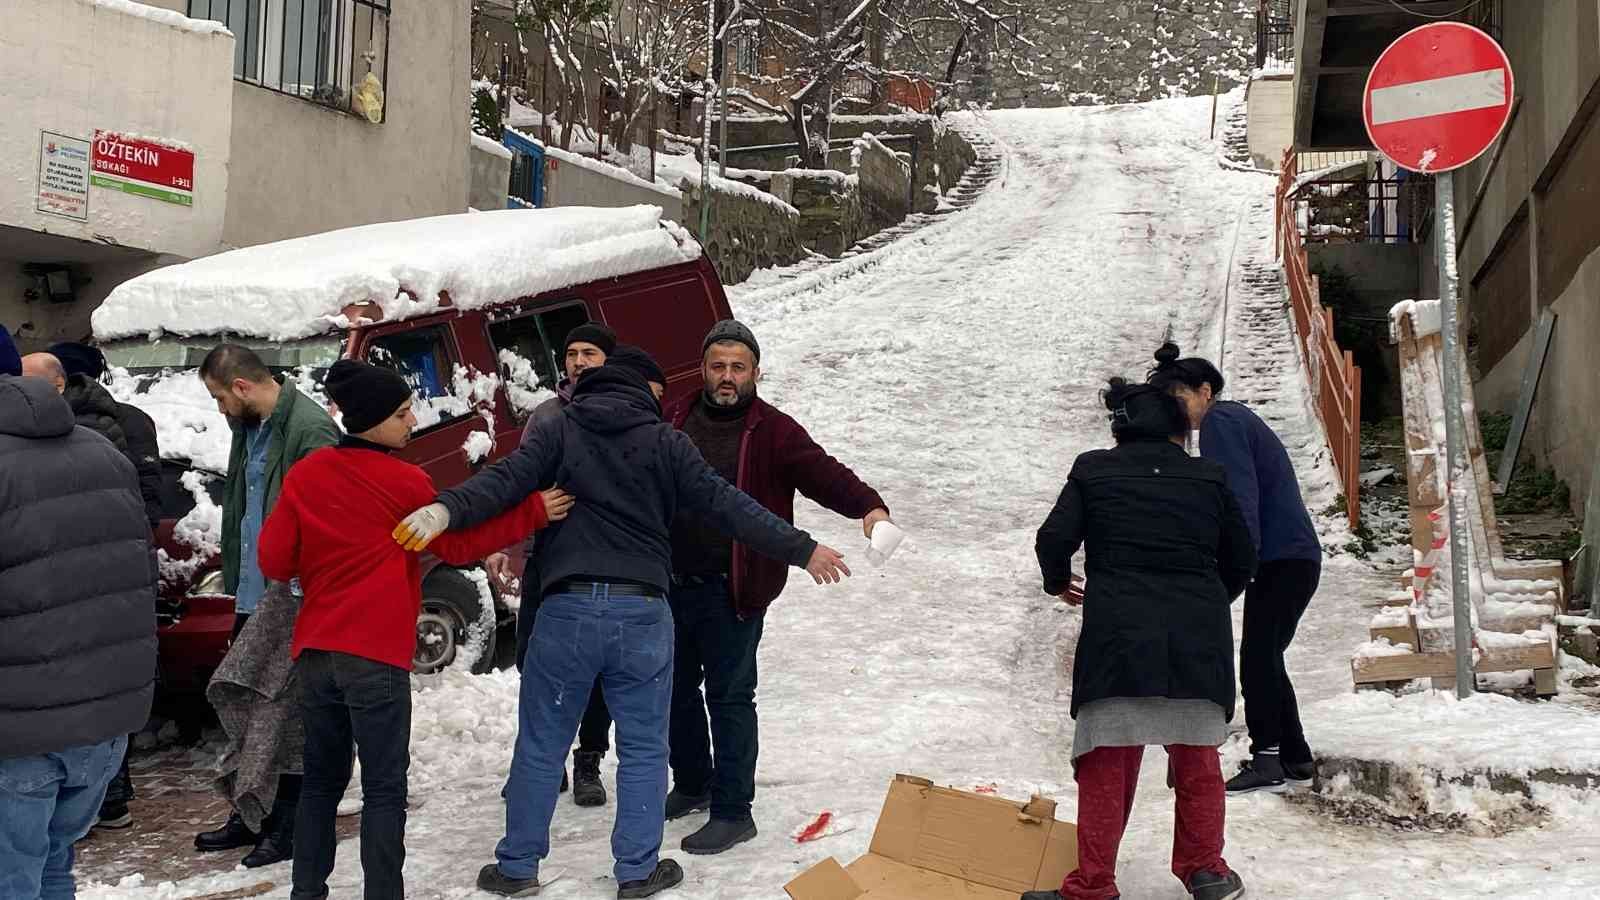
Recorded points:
1166,551
145,454
77,594
95,409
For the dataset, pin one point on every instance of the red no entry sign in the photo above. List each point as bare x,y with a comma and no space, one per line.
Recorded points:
1438,97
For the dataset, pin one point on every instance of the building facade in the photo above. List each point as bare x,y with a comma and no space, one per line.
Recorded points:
146,133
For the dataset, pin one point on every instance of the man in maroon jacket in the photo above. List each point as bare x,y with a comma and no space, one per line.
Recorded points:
721,589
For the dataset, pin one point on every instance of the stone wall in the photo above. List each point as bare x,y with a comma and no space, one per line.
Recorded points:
1122,51
883,179
829,206
943,155
749,229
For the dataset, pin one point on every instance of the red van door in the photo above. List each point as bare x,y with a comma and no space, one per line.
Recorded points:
667,312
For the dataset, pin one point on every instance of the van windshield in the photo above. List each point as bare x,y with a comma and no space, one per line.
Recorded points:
140,356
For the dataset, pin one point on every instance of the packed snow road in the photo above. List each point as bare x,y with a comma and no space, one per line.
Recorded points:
957,371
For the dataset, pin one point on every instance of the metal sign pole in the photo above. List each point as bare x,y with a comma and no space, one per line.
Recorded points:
705,129
1454,428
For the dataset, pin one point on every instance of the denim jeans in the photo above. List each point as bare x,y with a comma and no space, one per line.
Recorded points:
594,734
717,648
347,699
627,642
48,802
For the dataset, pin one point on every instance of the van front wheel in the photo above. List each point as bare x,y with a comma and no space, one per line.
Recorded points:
450,606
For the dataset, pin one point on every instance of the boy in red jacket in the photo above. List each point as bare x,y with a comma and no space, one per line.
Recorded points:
356,632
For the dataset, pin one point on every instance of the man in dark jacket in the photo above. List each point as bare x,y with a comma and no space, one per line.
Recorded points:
95,409
77,628
136,424
1263,480
605,572
721,589
126,427
588,347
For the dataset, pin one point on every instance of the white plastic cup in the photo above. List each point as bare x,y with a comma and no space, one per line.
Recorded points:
886,538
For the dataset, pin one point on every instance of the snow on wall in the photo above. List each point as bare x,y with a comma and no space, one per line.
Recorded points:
492,147
162,16
300,287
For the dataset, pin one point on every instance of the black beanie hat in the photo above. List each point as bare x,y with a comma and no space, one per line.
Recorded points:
366,394
592,333
79,359
732,330
627,356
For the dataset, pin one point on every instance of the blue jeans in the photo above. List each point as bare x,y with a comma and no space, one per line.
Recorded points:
627,642
48,802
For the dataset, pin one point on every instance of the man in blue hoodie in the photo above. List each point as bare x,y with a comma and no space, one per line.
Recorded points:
1263,481
605,572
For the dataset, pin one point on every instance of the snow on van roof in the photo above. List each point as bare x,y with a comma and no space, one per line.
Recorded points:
300,287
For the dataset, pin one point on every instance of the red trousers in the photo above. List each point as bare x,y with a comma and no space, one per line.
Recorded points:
1107,778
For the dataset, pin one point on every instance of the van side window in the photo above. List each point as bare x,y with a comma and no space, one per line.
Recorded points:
529,351
423,358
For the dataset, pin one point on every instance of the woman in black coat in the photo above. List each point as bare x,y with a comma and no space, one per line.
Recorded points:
1166,551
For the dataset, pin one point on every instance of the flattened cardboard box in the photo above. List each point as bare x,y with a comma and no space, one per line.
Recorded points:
935,843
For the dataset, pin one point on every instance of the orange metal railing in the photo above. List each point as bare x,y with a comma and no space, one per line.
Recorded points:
1335,378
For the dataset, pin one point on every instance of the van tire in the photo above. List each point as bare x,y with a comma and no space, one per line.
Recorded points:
450,605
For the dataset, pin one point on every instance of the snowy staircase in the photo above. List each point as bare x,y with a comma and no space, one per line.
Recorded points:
1236,134
978,176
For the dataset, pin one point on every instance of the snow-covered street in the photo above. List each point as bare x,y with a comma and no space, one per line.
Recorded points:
957,370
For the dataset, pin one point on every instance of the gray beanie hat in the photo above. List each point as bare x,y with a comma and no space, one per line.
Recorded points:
732,330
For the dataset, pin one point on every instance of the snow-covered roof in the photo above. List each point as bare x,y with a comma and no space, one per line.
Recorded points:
300,287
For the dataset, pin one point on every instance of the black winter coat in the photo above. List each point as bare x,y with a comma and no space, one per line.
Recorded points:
77,592
630,473
1166,551
145,453
128,428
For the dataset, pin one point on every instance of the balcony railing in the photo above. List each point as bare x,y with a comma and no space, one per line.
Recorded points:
1274,34
331,52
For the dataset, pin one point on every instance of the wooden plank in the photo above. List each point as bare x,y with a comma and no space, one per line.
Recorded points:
1407,666
1529,389
1397,634
1544,682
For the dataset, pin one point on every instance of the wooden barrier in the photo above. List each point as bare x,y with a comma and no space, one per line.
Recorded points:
1335,378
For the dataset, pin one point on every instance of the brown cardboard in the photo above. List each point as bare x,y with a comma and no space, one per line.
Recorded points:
935,843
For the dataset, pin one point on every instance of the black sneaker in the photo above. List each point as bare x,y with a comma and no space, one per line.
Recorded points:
668,874
680,804
719,835
1211,886
1300,774
1262,773
114,816
491,879
1042,895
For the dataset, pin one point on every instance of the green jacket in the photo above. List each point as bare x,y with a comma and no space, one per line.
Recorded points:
298,426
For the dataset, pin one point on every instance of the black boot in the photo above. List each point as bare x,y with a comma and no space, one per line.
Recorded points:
586,787
719,835
491,879
277,842
680,804
231,836
1211,886
668,874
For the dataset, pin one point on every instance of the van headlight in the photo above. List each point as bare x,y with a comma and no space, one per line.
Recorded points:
210,583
